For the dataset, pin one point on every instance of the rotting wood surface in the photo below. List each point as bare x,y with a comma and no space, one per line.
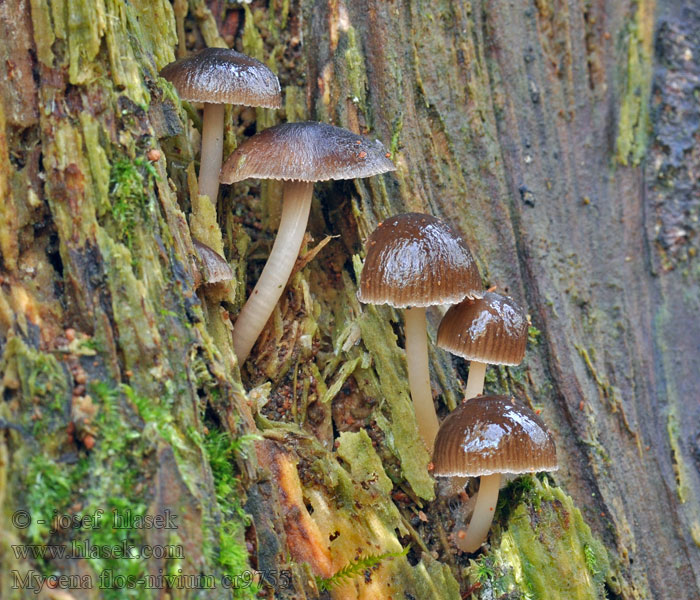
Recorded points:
559,138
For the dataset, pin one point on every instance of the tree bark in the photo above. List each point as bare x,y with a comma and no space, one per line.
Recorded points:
559,137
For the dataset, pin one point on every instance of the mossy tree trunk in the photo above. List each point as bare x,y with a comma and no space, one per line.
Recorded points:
559,137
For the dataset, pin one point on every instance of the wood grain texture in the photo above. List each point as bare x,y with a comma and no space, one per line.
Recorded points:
559,137
511,121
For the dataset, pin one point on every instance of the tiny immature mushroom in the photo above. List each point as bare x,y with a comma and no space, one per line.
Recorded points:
486,437
491,329
413,261
299,154
216,77
212,267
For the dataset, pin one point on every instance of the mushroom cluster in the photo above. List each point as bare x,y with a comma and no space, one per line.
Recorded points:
413,261
297,153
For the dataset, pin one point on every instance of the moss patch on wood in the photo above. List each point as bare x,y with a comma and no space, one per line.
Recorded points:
544,551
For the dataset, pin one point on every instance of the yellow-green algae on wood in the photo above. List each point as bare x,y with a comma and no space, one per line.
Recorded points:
379,338
633,121
674,439
682,470
372,529
545,551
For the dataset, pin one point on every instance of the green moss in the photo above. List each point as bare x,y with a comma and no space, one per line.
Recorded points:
396,135
129,181
50,486
484,569
356,568
491,377
533,335
222,452
114,470
44,387
545,551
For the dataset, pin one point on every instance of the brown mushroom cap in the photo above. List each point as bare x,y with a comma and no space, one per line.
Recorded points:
306,151
214,267
492,329
223,76
417,260
493,434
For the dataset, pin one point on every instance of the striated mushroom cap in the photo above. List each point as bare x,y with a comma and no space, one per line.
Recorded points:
224,76
307,151
417,260
493,434
491,329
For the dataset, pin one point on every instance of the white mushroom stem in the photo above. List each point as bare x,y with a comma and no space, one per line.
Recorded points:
480,523
475,380
212,150
419,376
258,308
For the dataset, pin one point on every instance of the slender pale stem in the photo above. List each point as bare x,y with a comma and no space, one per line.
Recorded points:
212,150
475,381
419,376
485,507
258,308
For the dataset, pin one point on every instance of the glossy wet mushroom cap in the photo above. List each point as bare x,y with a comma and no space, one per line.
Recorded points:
493,434
492,329
415,259
486,437
307,151
224,76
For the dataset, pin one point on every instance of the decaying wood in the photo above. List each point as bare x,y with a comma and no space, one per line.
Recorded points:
560,138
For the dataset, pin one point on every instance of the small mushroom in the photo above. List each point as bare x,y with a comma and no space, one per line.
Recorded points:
486,437
300,154
216,77
491,329
212,267
414,261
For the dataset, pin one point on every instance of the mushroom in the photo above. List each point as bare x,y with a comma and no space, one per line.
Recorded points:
212,268
486,437
219,76
413,261
491,329
299,154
